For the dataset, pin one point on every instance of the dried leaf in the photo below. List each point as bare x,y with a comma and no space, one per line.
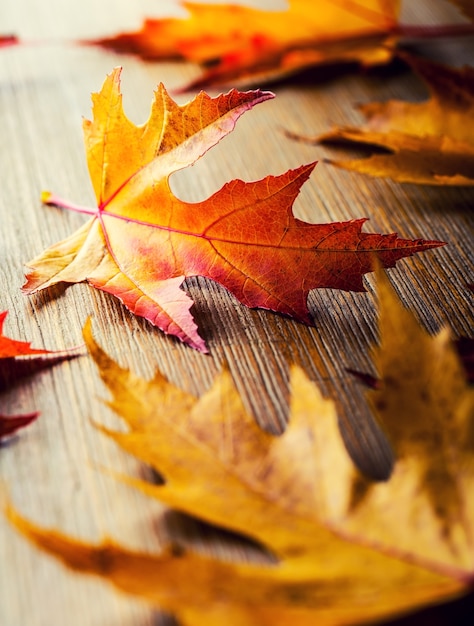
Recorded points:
426,408
142,241
244,45
430,142
349,551
17,360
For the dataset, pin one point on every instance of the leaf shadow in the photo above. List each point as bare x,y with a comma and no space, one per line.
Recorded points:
51,294
13,371
458,612
10,441
323,75
187,531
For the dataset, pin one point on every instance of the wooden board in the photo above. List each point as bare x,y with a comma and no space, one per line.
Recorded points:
53,470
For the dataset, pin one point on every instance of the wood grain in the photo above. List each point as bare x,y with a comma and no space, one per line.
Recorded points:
53,470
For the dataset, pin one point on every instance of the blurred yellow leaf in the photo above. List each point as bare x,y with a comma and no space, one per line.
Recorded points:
347,550
430,142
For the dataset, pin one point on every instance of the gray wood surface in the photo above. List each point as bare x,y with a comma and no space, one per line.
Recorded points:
52,470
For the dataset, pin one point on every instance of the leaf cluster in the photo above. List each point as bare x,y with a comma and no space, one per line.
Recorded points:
391,546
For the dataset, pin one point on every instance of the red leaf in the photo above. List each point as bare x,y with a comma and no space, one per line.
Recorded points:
11,347
17,360
9,425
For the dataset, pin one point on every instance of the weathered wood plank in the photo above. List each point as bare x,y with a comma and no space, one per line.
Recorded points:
52,470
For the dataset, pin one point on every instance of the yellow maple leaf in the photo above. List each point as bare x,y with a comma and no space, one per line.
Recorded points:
430,142
348,550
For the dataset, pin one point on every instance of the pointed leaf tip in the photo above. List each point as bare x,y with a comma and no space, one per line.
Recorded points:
10,424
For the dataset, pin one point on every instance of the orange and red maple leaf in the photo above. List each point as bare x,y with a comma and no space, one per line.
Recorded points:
142,241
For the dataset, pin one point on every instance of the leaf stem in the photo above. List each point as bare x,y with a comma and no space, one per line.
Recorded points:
52,200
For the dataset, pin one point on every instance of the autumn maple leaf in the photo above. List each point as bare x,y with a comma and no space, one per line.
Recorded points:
349,550
430,142
142,241
248,45
17,360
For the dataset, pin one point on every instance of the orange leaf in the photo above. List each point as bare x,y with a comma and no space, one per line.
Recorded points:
142,241
429,142
347,551
249,45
